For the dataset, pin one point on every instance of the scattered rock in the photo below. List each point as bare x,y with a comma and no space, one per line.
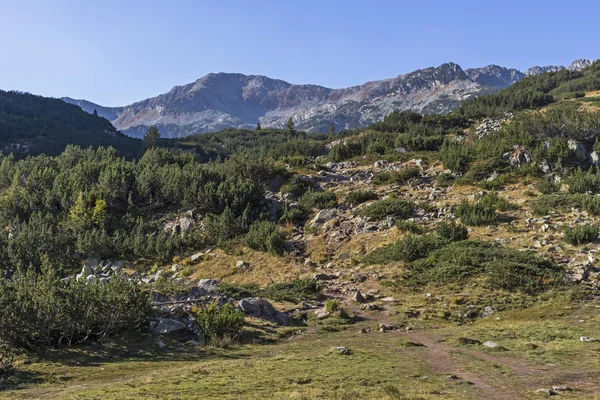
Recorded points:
342,350
196,257
358,297
242,265
546,392
468,341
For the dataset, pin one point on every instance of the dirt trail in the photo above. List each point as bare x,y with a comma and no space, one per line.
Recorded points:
492,386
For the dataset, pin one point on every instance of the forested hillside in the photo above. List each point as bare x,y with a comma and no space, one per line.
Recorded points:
31,124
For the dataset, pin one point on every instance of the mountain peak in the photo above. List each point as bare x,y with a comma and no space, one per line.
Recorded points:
229,99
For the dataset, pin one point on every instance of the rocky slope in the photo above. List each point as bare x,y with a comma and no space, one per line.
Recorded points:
575,66
224,100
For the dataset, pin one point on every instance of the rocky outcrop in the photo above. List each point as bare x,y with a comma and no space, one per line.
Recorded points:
260,308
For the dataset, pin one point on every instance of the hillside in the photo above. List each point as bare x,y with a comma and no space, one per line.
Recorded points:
452,256
220,101
32,125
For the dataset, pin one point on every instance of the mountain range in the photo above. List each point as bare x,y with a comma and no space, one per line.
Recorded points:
224,100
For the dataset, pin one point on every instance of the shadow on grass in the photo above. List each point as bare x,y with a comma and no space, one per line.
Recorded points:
17,379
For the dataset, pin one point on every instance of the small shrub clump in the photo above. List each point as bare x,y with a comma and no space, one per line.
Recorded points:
332,305
582,234
41,310
410,248
452,231
410,226
482,212
548,186
320,200
503,268
476,214
220,326
397,178
294,291
388,207
361,196
265,236
585,181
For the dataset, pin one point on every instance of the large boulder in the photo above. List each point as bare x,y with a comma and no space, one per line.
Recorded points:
595,158
167,326
322,217
208,286
258,307
578,148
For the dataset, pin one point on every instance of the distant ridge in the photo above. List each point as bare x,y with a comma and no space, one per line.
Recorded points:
223,100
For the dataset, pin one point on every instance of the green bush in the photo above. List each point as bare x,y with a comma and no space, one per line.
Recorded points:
388,207
582,234
360,196
397,178
476,214
452,231
332,305
548,186
320,200
584,181
503,268
296,186
410,248
265,236
39,310
455,156
6,361
293,214
410,226
294,291
220,326
444,179
591,204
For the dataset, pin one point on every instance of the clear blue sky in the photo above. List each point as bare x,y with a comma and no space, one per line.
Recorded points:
117,52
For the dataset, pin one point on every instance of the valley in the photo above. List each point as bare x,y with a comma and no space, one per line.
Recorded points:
436,256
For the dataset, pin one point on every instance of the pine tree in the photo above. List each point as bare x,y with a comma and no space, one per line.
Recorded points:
290,125
99,214
151,137
95,112
258,127
79,214
331,130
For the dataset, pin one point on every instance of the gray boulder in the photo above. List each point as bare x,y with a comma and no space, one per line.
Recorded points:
358,297
260,308
595,158
322,217
578,148
167,326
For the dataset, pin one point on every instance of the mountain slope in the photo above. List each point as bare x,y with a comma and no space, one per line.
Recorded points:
223,100
33,124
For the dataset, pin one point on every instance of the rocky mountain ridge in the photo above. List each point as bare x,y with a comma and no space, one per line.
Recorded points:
224,100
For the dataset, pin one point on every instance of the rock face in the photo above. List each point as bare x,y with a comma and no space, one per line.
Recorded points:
260,308
224,100
576,65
